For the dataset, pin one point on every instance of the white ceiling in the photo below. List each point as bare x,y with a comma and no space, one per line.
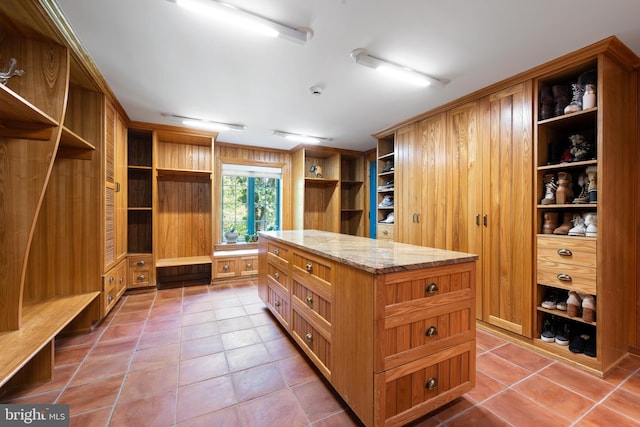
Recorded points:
159,58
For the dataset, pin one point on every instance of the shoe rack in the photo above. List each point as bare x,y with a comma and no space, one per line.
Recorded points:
385,189
582,153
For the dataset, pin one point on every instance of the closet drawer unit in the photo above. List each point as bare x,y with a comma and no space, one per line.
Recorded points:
140,271
279,305
313,271
423,385
385,232
279,254
248,266
313,341
567,276
114,283
420,333
224,268
567,250
277,276
319,302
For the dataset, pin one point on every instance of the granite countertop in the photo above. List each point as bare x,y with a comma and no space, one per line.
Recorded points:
372,255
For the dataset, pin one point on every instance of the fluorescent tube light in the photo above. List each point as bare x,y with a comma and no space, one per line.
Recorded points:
307,139
362,57
205,124
249,21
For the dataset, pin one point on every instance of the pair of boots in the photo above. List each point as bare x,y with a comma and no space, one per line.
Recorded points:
584,226
580,302
553,101
560,192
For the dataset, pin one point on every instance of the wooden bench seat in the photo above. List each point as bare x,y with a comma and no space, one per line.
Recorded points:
26,355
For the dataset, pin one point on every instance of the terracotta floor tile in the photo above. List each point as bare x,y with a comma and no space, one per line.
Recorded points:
451,409
523,412
632,383
254,308
630,363
47,397
99,418
61,376
341,419
195,291
91,396
207,396
196,307
486,341
198,331
227,417
478,416
201,347
485,388
133,305
229,313
261,319
75,340
98,368
131,317
317,400
273,410
624,402
199,317
296,370
282,348
527,359
71,355
270,332
122,347
600,416
572,405
203,368
158,410
235,324
227,302
123,330
151,357
139,384
169,294
578,381
257,381
237,339
167,309
247,357
160,338
500,369
161,323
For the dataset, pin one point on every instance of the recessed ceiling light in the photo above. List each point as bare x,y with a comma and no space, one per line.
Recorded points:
308,139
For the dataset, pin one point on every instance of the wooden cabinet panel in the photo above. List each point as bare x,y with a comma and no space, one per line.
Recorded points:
114,284
408,186
141,271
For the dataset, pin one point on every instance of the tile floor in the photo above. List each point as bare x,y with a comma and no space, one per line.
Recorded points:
212,356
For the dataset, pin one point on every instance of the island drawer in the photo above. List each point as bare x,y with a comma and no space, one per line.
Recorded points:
279,305
318,301
314,271
313,341
278,253
278,276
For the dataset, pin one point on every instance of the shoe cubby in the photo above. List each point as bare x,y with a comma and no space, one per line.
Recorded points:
386,186
582,155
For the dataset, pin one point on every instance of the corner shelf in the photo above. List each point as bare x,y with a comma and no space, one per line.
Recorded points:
21,119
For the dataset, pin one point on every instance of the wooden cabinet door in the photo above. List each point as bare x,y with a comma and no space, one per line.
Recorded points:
109,186
408,185
464,207
121,187
507,255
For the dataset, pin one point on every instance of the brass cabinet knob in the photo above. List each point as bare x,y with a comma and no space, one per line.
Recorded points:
308,337
225,267
309,266
385,232
431,289
431,332
141,262
277,251
276,275
277,303
564,277
310,300
564,252
249,265
110,298
141,277
431,384
121,280
111,279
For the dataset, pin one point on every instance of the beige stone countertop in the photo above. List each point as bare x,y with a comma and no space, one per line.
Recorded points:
372,255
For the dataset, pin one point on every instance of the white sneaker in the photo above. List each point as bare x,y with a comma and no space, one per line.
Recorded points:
389,218
386,202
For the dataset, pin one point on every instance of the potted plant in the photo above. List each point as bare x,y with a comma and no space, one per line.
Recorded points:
231,236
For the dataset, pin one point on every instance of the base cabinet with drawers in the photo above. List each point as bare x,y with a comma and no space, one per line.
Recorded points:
141,271
391,326
235,264
114,284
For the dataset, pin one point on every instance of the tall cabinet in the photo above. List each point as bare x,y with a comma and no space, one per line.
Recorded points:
598,263
385,191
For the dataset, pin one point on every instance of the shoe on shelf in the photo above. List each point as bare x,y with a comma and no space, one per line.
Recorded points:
574,304
386,186
550,300
590,346
387,202
578,343
548,329
389,218
589,308
563,334
578,228
562,304
388,166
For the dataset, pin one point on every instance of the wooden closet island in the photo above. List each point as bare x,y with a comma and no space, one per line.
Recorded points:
391,326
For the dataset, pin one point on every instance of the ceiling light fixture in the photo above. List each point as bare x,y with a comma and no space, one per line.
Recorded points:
245,19
362,57
301,138
205,124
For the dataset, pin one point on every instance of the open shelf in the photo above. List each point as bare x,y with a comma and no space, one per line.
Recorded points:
21,119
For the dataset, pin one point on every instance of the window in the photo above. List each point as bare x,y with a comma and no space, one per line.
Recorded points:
250,199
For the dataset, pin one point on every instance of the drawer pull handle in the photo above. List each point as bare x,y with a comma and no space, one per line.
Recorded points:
385,232
431,289
110,298
141,262
308,337
277,251
310,300
277,303
111,279
309,266
431,384
121,280
276,275
249,265
432,331
564,252
564,277
225,268
141,277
